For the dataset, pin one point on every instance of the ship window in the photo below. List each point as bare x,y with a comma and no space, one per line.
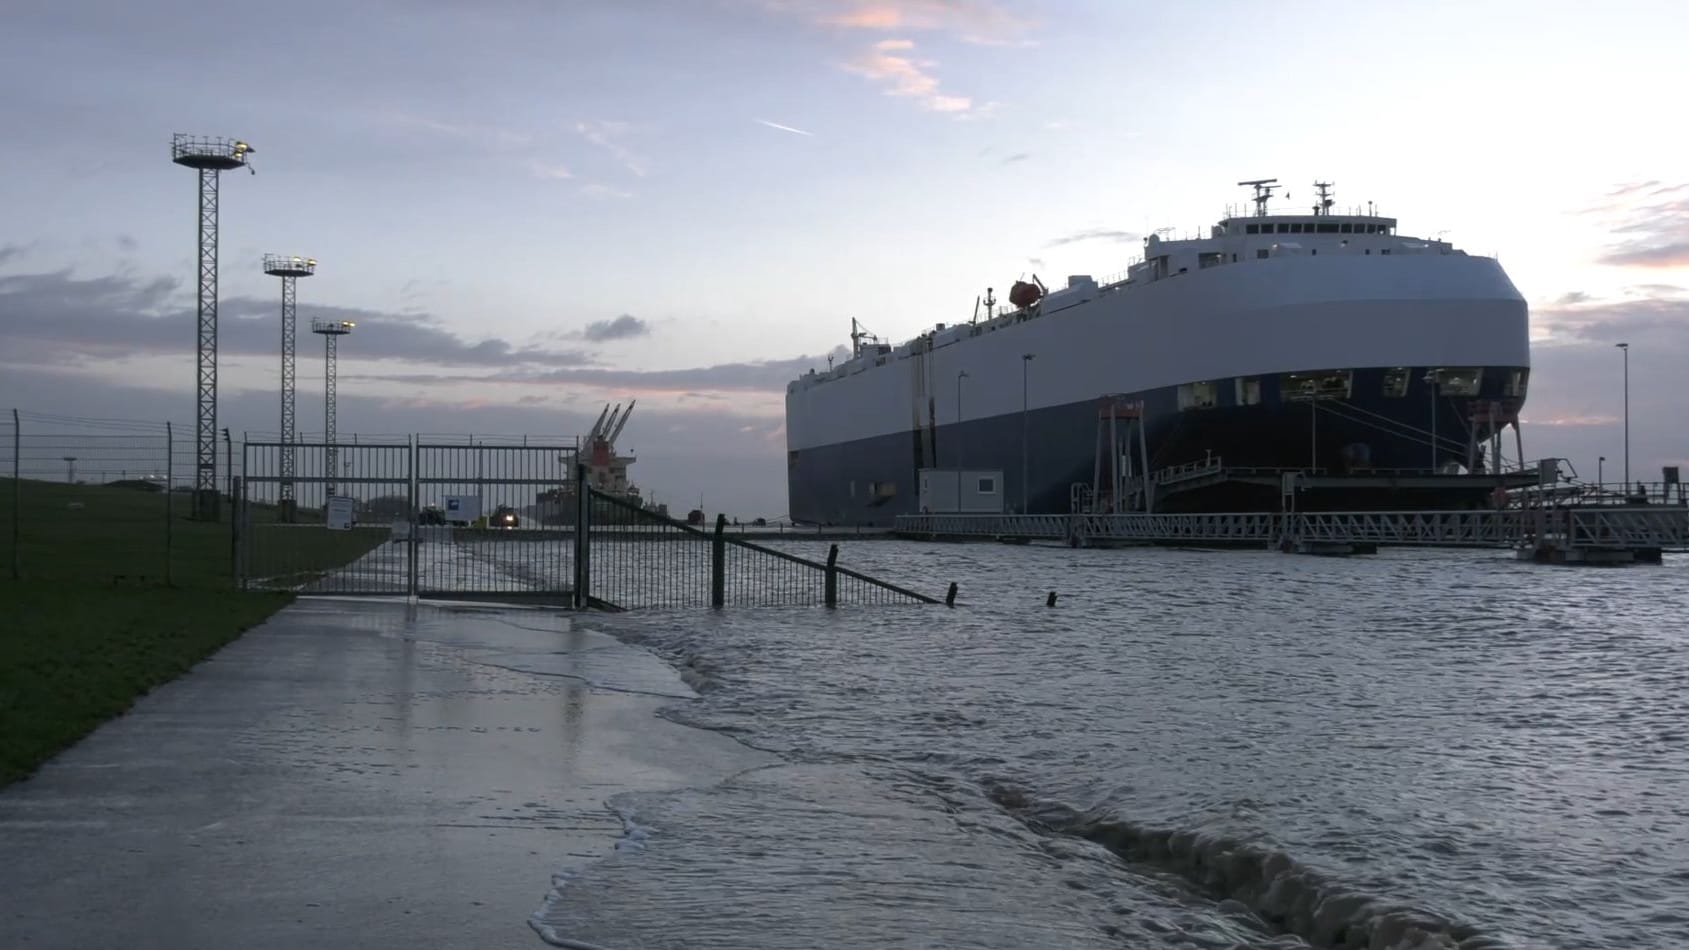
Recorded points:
1517,381
1348,229
1262,252
1396,382
1197,396
988,486
1459,381
1369,250
1295,227
1252,229
1328,228
1234,258
1209,259
1248,390
1327,384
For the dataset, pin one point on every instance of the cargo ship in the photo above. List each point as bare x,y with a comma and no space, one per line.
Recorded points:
1380,368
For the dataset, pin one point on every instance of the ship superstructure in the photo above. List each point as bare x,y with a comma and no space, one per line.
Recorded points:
1320,342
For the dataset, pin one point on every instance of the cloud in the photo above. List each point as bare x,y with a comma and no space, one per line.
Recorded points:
9,251
608,136
767,377
902,75
625,327
488,134
549,171
1017,157
600,190
58,316
783,128
1095,234
972,21
1651,221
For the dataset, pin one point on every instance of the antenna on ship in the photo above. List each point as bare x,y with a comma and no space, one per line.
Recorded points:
990,304
1263,190
1325,202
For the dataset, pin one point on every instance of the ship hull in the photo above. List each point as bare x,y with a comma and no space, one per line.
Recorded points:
1379,443
1246,335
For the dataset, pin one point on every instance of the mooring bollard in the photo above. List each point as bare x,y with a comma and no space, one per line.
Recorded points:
831,581
950,596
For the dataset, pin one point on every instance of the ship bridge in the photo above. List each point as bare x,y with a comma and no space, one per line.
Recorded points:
1261,234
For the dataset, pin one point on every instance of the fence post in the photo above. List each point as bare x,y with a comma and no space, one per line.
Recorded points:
237,512
832,586
17,496
169,501
718,563
583,544
413,583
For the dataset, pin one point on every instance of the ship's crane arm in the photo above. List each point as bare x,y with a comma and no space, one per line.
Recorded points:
620,424
593,432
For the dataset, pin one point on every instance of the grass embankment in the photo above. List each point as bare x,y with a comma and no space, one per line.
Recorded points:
118,594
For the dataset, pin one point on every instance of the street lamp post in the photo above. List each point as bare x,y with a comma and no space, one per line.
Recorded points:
961,375
1313,426
1431,382
1025,363
1625,348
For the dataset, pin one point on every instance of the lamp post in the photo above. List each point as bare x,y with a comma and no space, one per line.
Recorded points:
960,375
70,476
1025,364
1309,387
1625,348
1431,384
1600,463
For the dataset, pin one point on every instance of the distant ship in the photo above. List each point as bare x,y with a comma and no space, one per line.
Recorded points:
1321,342
606,470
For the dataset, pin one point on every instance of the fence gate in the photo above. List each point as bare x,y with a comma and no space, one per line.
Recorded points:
501,522
466,521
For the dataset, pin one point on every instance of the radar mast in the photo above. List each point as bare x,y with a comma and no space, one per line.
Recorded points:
1325,202
1264,188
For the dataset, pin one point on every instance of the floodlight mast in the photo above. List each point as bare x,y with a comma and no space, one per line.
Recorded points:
289,268
210,157
331,332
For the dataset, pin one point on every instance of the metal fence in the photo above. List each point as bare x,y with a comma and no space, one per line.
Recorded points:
637,558
504,522
104,500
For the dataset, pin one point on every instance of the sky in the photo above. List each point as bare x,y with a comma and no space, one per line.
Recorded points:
535,207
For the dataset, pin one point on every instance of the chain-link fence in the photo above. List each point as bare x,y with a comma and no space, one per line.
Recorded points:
111,500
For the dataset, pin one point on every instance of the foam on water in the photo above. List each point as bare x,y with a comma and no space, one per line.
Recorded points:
1420,751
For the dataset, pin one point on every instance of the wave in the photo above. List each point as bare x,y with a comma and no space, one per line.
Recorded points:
1284,894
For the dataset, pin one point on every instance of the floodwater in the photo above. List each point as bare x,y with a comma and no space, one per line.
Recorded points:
1191,749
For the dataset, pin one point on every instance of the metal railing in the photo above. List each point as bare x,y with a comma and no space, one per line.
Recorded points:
637,558
505,522
1655,526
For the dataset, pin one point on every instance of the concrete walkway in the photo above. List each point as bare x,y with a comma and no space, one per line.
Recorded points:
350,774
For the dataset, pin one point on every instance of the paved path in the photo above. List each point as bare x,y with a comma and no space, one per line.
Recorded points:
350,774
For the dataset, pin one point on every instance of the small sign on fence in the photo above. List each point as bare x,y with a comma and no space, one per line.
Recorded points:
339,511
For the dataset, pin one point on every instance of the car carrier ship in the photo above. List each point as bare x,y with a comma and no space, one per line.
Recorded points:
1378,368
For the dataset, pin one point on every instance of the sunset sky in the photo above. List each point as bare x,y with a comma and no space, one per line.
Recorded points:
535,207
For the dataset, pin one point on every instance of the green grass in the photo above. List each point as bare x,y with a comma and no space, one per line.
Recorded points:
73,655
118,594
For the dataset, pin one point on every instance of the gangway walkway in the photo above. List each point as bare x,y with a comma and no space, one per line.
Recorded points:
1657,527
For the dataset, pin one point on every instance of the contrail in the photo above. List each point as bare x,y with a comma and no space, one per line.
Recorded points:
783,128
